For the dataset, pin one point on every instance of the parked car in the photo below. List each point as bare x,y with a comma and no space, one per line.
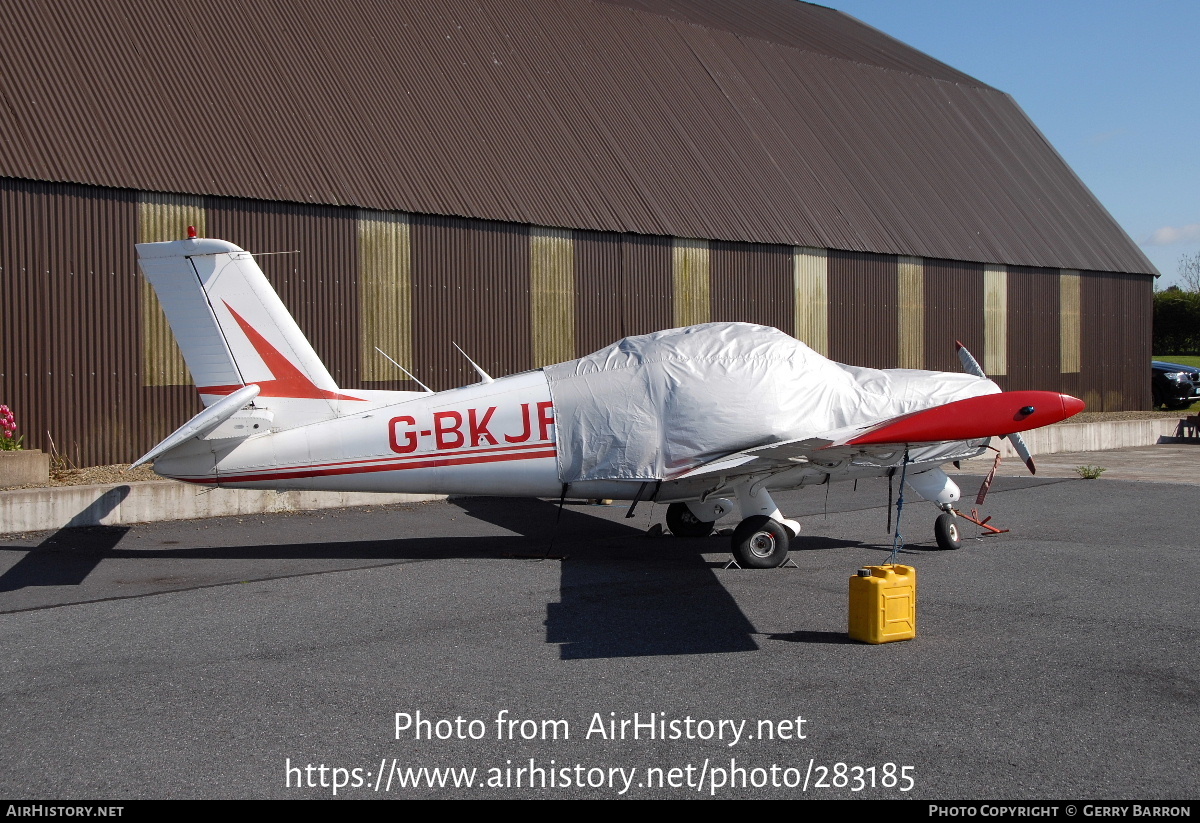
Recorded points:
1175,386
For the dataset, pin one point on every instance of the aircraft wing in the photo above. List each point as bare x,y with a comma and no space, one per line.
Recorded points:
972,419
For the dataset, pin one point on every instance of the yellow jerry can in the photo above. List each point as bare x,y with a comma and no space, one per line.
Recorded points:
883,604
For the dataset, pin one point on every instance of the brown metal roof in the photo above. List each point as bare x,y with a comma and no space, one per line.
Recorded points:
765,121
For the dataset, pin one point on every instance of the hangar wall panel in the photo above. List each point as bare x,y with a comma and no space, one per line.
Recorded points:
646,282
752,283
953,311
552,294
811,297
911,320
1033,329
599,290
691,282
863,309
385,294
1069,321
71,320
624,285
1116,340
995,320
471,284
161,218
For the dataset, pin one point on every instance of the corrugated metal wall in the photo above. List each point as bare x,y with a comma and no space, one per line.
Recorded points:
1116,335
552,294
691,282
810,279
623,287
1069,322
1033,329
84,358
164,217
71,334
953,311
911,317
995,321
753,283
863,309
471,284
385,295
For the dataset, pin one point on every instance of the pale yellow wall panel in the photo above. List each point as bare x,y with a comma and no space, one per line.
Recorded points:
811,284
995,320
692,282
1069,322
163,217
385,293
911,308
552,294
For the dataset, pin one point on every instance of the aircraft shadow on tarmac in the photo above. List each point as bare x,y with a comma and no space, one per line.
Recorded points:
51,565
622,593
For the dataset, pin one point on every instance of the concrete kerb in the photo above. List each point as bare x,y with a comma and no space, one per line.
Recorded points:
1100,436
31,510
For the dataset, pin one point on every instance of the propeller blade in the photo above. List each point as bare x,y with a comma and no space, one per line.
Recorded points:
1018,443
970,364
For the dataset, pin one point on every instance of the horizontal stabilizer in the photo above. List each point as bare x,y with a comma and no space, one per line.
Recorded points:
203,423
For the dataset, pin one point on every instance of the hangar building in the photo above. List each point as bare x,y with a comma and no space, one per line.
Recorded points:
531,179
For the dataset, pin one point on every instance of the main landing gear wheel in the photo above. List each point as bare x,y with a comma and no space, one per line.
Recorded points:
945,529
683,523
760,543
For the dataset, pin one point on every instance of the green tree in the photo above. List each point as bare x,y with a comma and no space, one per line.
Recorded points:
1176,322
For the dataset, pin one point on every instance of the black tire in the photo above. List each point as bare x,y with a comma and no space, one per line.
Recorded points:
683,523
760,543
946,530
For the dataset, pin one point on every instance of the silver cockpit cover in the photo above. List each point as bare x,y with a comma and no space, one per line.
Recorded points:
654,406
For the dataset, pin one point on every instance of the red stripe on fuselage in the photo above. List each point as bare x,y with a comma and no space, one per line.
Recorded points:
426,456
424,462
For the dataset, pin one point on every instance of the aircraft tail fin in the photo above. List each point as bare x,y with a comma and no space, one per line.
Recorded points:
234,331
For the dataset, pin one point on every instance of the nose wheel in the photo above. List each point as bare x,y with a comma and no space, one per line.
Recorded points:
947,532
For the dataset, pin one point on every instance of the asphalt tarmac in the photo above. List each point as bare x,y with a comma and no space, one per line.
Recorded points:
273,656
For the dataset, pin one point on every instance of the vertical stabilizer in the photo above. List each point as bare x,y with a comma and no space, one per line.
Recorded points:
234,331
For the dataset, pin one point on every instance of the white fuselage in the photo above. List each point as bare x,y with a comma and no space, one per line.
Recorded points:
494,438
488,438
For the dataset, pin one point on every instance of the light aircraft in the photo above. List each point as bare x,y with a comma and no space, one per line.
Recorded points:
707,419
